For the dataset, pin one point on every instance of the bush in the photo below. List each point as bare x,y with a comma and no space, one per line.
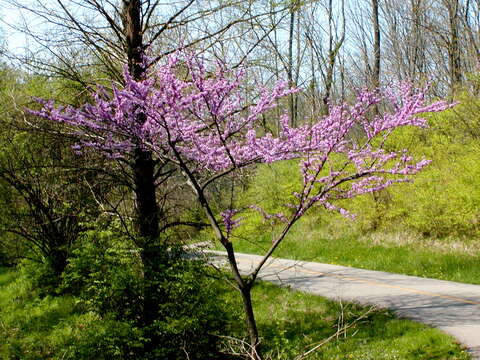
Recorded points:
104,270
444,199
40,276
107,273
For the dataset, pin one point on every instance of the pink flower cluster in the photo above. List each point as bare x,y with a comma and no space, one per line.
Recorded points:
228,221
198,117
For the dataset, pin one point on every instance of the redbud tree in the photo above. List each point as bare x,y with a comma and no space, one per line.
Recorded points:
195,116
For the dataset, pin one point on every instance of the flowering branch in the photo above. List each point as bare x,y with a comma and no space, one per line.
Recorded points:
194,117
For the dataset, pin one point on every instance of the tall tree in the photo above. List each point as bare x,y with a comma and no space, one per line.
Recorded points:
453,47
143,166
290,62
417,41
127,32
376,44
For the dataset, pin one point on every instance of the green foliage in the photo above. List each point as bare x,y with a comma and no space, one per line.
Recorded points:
104,271
172,302
57,327
291,322
442,201
45,190
192,319
273,186
90,336
99,312
41,277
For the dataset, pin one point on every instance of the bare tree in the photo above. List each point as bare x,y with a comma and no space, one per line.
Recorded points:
376,44
326,59
453,45
294,7
470,20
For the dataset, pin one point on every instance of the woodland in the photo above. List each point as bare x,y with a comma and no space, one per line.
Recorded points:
343,132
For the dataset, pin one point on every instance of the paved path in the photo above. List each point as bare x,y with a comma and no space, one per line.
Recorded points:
450,306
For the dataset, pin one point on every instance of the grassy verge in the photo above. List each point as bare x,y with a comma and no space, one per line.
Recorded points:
34,328
290,323
344,244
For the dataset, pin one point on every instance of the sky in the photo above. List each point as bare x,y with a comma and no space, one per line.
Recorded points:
10,17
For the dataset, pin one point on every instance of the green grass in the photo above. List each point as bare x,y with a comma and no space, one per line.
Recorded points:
28,322
342,243
34,328
290,323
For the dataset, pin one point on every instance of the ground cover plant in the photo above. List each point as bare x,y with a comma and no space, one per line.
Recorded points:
60,328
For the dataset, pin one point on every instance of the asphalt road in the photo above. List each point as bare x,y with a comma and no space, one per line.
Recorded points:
449,306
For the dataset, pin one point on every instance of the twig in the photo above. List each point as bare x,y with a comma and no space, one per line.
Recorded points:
333,336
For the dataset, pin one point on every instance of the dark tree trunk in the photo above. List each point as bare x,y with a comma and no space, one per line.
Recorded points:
376,45
251,324
453,46
57,260
143,168
146,203
132,27
147,217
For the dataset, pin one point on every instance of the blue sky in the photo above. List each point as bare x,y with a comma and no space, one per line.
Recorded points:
11,16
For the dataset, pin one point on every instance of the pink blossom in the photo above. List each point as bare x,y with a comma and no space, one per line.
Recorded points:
228,221
203,121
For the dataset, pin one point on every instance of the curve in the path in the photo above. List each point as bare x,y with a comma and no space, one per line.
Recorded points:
450,306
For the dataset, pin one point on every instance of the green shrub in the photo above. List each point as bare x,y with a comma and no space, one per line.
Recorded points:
273,185
106,272
443,200
40,276
192,317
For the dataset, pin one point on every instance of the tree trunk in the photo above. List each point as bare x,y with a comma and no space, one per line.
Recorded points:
453,46
143,168
132,28
244,286
333,50
417,63
291,98
246,292
147,211
147,220
376,45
